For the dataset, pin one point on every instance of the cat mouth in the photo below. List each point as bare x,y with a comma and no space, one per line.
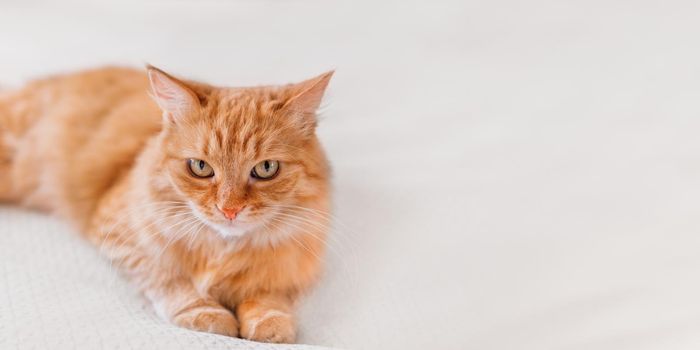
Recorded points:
224,228
257,229
243,225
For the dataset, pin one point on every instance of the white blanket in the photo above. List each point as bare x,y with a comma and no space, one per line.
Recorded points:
508,174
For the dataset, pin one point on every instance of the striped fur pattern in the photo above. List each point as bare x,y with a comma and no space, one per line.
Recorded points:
94,148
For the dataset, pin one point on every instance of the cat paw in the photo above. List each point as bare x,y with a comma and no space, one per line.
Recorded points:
209,319
272,327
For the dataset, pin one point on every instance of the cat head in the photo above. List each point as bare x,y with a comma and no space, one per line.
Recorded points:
241,157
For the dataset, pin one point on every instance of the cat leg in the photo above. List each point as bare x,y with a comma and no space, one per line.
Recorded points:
174,297
5,185
267,318
5,168
7,151
178,302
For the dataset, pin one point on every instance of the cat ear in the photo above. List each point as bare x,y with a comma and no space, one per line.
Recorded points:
172,96
306,98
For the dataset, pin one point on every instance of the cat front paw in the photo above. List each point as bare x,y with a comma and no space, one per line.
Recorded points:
271,327
208,319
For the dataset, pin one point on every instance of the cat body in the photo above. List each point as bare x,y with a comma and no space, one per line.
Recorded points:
212,201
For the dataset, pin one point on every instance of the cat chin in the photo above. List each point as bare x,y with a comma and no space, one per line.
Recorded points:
252,234
231,232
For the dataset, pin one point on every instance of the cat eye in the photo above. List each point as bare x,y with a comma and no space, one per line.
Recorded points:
200,168
265,170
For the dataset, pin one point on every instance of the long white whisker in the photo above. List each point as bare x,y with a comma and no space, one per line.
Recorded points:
321,227
303,246
175,237
124,215
135,231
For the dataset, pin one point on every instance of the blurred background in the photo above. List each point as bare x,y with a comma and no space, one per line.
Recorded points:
508,174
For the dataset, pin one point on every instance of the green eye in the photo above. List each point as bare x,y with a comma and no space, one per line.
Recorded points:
265,170
200,168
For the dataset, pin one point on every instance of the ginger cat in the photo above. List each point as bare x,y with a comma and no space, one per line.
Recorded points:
213,201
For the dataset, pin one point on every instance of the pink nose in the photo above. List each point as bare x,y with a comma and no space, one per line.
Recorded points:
230,213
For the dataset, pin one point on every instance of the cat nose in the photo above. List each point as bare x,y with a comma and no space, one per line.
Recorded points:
230,213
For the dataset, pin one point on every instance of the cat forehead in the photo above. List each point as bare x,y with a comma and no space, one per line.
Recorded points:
243,109
228,142
239,132
238,122
247,101
248,118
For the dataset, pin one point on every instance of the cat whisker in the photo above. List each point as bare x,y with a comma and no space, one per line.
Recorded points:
135,231
194,236
158,221
300,224
325,224
341,231
341,257
176,237
303,246
130,211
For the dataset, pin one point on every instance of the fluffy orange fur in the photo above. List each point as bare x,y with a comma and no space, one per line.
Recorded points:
96,149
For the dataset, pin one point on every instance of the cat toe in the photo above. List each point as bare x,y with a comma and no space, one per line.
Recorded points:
274,327
210,320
